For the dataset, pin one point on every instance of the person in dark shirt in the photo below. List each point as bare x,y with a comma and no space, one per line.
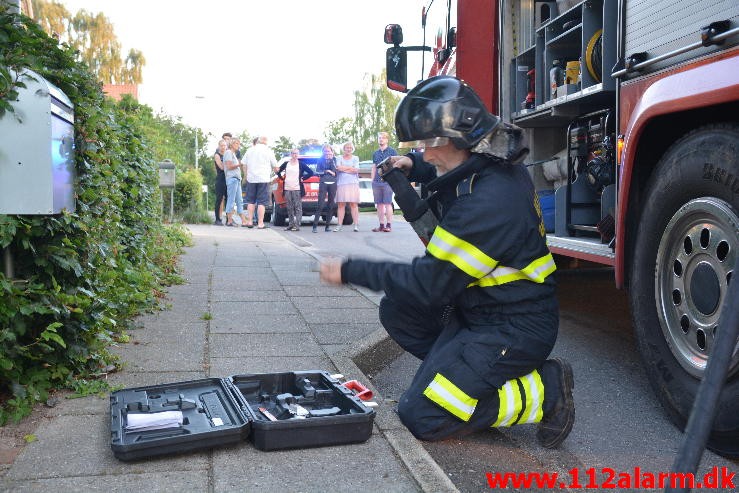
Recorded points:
220,185
381,191
326,170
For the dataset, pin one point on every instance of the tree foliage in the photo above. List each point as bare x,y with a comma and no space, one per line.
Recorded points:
93,37
167,137
374,111
79,276
283,145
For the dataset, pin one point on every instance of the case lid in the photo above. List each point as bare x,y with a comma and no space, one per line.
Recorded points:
176,417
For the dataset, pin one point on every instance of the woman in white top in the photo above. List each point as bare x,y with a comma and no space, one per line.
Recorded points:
293,172
347,186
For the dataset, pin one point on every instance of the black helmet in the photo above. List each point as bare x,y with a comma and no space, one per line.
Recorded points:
443,106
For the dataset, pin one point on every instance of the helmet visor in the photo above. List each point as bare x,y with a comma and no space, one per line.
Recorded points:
422,144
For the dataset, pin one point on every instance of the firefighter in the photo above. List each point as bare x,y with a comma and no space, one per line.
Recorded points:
479,308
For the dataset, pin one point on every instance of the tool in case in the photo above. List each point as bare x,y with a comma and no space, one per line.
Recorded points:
274,410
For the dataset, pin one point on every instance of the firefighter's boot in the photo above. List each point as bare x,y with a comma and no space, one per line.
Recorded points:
559,407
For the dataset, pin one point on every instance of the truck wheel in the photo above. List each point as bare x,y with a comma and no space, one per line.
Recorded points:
278,218
687,244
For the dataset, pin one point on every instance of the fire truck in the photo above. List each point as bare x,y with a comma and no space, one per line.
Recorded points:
631,108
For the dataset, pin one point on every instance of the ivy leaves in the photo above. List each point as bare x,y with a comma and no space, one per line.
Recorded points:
79,276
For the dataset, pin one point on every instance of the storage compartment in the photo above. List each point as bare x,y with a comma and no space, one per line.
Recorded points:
278,410
572,55
302,409
211,416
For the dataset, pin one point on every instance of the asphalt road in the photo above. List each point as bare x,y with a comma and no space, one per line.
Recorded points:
619,425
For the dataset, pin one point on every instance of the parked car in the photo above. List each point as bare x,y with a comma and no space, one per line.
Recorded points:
310,200
365,169
366,197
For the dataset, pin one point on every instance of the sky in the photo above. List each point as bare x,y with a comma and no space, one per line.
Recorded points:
277,67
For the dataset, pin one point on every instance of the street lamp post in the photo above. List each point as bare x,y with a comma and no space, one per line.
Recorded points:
196,137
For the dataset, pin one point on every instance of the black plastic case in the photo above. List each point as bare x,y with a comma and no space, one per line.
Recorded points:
220,411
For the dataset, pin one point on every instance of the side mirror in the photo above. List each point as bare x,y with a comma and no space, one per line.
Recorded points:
393,34
396,64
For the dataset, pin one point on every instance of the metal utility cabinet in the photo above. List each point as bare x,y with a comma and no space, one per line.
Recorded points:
37,151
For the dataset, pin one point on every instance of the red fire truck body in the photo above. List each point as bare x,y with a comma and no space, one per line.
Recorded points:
631,108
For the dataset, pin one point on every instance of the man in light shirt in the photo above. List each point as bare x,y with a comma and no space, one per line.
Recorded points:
260,163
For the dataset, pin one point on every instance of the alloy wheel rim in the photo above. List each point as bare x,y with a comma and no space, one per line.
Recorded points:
695,263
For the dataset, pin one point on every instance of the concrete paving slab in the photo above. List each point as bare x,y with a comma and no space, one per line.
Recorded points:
197,280
313,470
329,315
187,289
246,309
299,278
128,379
242,345
256,261
253,271
309,303
255,324
303,263
276,295
92,404
240,276
324,291
192,330
342,333
163,356
119,483
222,287
180,310
221,367
332,349
73,446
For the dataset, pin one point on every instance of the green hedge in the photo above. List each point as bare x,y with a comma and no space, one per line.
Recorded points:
79,277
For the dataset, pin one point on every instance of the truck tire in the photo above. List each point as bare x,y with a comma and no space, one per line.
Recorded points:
278,218
686,247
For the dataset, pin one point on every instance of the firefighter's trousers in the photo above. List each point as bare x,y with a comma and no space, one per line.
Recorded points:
478,371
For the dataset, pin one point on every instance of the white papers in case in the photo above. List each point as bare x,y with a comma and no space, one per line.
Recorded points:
153,421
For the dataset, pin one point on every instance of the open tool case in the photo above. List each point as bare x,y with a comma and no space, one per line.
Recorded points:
275,410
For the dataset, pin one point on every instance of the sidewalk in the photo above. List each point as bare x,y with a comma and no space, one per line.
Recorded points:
268,313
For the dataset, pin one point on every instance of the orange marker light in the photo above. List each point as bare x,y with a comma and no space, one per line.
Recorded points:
619,148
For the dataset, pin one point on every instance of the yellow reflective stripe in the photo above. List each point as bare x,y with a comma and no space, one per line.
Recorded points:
450,397
534,388
510,404
466,256
537,271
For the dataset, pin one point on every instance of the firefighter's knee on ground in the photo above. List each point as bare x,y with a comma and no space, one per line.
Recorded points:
424,420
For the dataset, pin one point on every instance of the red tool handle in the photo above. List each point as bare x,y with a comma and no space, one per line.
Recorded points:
359,390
